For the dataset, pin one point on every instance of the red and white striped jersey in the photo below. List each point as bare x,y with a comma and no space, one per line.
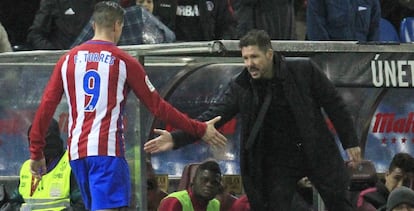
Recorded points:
96,78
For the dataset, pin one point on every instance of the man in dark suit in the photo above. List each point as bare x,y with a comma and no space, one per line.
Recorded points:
284,132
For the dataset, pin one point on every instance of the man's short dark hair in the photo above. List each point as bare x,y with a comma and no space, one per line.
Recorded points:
258,38
210,165
403,161
106,13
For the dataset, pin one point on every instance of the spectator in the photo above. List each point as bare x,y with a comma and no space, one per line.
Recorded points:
140,27
96,78
276,17
366,19
147,4
401,198
303,198
284,132
4,40
194,20
201,194
356,20
401,166
35,194
165,11
58,23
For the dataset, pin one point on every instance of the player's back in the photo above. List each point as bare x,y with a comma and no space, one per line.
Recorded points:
94,77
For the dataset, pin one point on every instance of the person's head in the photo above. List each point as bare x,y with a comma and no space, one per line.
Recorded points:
401,198
400,167
305,189
257,53
207,181
147,4
304,183
54,147
108,17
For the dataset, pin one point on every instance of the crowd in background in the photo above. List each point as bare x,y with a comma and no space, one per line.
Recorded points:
53,24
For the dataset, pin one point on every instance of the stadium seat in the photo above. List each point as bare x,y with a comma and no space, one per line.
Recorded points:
363,177
388,33
226,199
187,176
407,29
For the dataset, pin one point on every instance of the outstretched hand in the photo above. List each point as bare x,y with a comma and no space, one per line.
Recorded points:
38,168
212,136
163,142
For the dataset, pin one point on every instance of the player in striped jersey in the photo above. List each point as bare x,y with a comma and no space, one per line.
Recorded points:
96,78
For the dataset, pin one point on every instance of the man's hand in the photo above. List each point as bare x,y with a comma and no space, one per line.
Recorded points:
212,136
354,155
38,168
163,142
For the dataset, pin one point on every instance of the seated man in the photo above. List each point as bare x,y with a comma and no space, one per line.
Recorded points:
201,194
140,27
57,189
401,198
374,198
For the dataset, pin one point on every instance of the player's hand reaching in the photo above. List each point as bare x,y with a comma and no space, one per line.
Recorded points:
163,142
212,136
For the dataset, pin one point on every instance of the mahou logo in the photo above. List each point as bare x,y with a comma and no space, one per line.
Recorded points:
388,123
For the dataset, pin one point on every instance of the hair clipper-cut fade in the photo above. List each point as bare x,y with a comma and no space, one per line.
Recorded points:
107,13
259,38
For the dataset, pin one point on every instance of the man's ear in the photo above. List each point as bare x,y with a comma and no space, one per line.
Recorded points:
221,187
269,53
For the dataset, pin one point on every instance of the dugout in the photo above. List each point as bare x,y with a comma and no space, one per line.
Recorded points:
376,80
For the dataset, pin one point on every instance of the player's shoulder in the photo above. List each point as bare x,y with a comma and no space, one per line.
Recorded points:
123,55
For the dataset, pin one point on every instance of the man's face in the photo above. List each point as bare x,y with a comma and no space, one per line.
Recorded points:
147,4
395,178
206,185
118,30
403,207
258,63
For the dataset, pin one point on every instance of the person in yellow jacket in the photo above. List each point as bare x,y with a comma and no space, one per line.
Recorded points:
57,190
201,194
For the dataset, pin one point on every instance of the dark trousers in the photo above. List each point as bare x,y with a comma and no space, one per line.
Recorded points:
275,190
